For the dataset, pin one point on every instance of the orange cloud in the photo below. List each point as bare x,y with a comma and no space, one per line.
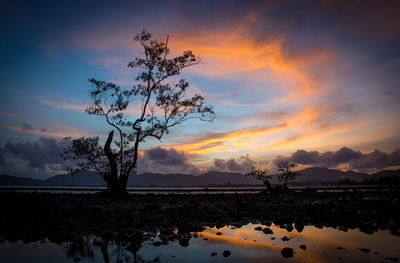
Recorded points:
236,51
219,141
320,116
308,126
311,139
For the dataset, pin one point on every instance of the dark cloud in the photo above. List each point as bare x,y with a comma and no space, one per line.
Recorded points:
379,18
41,158
159,160
219,163
166,157
39,153
356,160
241,165
326,159
377,160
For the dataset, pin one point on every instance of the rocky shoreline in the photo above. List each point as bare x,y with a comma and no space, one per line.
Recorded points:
136,217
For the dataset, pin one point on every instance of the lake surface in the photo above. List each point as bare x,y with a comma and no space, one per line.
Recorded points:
245,244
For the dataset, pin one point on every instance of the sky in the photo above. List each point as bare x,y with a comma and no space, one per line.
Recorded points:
317,81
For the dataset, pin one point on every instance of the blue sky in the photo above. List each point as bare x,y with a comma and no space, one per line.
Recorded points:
282,76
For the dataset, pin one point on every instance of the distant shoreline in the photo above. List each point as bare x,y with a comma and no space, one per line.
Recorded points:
193,189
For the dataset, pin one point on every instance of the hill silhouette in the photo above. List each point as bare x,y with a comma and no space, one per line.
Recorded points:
313,175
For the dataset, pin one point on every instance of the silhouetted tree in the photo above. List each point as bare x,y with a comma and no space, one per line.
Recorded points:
262,175
163,106
286,174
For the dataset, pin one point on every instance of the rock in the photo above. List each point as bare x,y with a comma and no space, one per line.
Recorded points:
287,252
273,238
219,225
133,247
340,248
107,236
268,231
98,242
218,233
267,223
299,226
365,250
184,242
304,247
122,237
368,228
258,228
226,253
213,254
166,232
392,259
289,227
285,238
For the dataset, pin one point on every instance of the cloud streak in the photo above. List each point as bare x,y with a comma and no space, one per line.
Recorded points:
29,129
62,105
213,142
132,109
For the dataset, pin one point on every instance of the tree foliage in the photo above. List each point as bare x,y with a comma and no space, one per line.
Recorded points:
285,167
262,175
286,174
160,105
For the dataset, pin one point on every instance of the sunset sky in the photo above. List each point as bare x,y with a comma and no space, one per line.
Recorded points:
283,76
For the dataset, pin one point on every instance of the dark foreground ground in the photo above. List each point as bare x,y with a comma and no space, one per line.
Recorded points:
63,217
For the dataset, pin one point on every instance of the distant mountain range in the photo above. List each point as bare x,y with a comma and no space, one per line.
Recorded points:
313,175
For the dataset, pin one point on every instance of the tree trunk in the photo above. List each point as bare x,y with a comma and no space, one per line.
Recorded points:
112,179
123,181
285,182
268,185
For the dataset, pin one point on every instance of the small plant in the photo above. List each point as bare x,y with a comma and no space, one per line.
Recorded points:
286,173
262,175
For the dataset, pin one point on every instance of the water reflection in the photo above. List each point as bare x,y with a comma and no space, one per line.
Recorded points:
249,243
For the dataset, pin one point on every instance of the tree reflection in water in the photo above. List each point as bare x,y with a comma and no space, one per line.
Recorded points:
124,252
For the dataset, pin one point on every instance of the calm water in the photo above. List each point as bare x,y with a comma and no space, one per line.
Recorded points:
245,244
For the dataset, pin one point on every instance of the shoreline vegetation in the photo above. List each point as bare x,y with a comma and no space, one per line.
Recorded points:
64,217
